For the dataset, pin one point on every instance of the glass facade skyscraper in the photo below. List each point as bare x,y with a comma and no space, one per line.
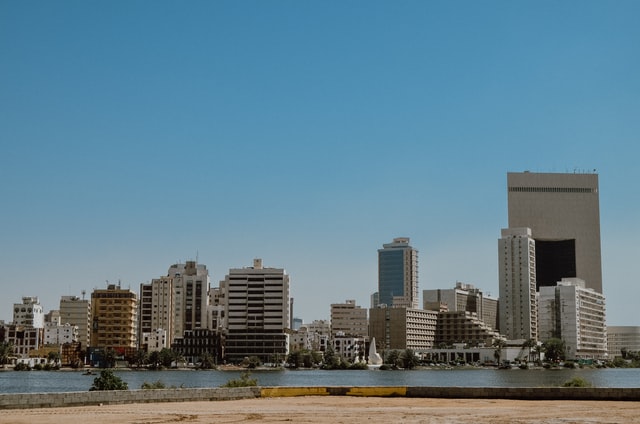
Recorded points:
398,274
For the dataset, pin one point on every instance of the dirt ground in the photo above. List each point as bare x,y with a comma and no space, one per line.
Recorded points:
318,409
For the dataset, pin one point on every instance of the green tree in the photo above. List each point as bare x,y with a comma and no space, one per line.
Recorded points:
207,361
6,349
331,361
294,359
408,359
108,381
140,358
53,358
498,344
154,360
167,356
554,350
392,358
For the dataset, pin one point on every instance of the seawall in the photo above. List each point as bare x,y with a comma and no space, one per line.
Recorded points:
53,400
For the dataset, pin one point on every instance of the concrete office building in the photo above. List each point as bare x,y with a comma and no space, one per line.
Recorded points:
563,213
402,328
464,297
463,327
398,274
576,315
191,284
349,319
114,319
77,311
156,311
622,338
518,312
257,313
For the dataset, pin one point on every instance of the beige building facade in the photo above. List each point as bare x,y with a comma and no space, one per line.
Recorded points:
349,319
563,213
402,328
114,318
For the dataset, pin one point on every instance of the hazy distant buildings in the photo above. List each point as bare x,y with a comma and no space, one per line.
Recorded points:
563,213
77,312
257,307
114,318
576,315
398,274
622,339
518,310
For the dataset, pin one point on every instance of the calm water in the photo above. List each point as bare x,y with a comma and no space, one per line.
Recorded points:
72,381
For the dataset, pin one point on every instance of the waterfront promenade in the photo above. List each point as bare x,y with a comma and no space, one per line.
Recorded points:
339,409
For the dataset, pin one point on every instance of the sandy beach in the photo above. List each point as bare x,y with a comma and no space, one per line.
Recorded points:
319,409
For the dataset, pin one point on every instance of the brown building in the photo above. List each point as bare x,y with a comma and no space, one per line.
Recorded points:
114,312
402,328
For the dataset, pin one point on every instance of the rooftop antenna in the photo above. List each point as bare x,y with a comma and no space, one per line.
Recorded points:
84,292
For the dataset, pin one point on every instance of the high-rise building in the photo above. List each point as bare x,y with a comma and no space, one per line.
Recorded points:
114,318
575,314
398,274
156,310
257,313
518,313
349,319
77,311
190,297
563,213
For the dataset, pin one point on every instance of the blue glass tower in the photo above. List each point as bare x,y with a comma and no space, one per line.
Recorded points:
398,274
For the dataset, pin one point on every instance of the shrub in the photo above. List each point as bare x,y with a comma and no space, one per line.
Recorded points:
151,386
245,380
577,382
22,367
108,381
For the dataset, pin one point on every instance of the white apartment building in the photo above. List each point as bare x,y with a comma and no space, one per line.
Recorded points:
349,319
155,341
517,283
257,313
29,313
77,312
576,315
59,334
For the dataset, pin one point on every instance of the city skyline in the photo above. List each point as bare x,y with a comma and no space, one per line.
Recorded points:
135,137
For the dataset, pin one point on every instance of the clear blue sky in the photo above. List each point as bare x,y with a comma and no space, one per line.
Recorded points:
136,134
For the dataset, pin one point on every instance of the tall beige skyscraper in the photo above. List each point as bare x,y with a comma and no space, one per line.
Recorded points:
518,310
563,213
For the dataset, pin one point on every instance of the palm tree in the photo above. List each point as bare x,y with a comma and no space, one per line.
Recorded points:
499,344
529,344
